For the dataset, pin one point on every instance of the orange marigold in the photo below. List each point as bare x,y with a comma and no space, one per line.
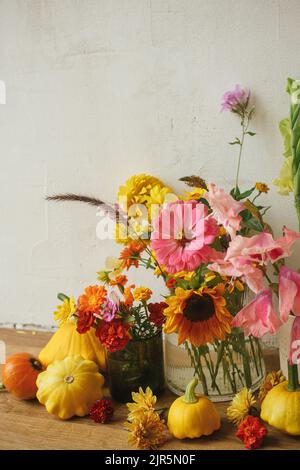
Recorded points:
130,254
92,299
128,296
120,280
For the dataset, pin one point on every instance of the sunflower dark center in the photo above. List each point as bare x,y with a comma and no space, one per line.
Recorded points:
199,308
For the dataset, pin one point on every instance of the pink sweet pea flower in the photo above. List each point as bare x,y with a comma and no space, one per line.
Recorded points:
224,208
232,100
289,293
239,268
258,317
182,234
262,248
295,342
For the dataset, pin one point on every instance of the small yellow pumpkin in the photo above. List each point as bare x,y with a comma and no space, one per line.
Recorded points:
68,342
281,406
192,416
70,387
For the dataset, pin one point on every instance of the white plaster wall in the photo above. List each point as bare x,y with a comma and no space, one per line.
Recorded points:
100,89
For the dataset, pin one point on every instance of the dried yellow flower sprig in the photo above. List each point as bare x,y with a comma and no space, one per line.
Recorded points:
272,379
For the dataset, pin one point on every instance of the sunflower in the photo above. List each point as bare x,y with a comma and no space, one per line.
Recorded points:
92,299
241,406
199,316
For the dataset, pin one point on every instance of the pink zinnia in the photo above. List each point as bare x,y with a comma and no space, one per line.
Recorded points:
108,311
225,209
182,234
258,317
231,100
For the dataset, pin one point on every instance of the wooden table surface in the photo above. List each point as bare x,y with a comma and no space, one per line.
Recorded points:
27,425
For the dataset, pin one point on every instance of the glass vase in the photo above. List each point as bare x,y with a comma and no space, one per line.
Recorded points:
139,364
222,368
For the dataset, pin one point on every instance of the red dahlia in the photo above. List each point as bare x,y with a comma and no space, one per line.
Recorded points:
252,432
113,335
156,313
102,411
85,321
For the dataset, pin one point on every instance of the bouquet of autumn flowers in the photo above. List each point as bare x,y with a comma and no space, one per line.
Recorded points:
118,312
210,247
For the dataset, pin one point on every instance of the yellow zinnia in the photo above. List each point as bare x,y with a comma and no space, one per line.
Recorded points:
65,311
137,190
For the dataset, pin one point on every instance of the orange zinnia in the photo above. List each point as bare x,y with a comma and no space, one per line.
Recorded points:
130,254
92,299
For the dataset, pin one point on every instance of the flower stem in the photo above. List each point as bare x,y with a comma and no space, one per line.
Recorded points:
293,380
239,157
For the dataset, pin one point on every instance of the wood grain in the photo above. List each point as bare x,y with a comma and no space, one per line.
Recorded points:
27,425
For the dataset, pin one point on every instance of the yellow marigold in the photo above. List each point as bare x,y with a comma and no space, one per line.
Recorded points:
240,406
142,402
142,293
262,187
65,311
148,432
272,379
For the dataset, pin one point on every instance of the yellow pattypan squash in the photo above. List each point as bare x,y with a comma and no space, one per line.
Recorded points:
192,416
281,406
68,342
70,387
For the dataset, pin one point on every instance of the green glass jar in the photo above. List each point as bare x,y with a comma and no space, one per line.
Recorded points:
139,364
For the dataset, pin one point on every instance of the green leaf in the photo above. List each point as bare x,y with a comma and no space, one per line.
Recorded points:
251,133
254,224
244,194
235,142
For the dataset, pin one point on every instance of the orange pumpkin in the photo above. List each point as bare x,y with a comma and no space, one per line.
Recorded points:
19,375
